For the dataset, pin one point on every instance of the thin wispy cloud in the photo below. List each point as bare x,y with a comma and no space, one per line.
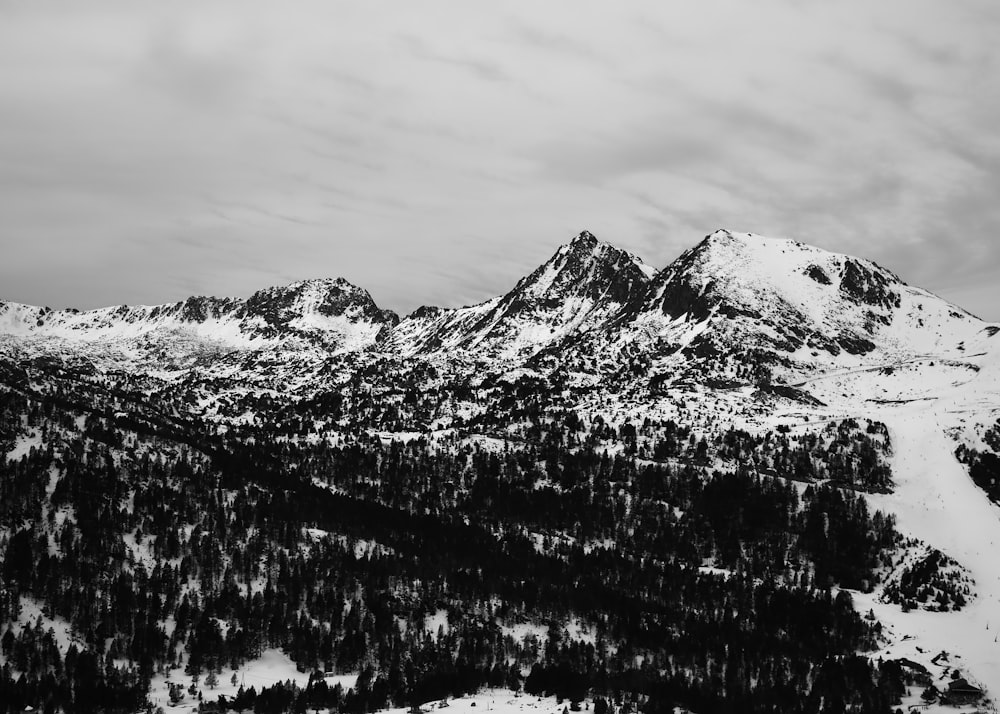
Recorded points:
432,154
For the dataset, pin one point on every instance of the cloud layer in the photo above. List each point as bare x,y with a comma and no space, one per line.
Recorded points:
434,152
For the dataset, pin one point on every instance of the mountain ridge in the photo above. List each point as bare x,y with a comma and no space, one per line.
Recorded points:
586,285
736,310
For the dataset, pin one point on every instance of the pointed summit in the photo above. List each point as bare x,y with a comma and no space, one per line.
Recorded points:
582,244
583,285
585,267
583,239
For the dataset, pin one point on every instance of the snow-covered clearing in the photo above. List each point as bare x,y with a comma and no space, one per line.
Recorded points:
32,613
437,621
23,446
273,666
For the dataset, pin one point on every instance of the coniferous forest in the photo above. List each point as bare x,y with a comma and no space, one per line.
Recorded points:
655,564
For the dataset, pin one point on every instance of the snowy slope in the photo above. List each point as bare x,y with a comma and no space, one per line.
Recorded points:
931,404
936,501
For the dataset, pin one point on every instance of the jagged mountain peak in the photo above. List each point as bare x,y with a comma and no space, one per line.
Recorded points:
579,288
584,238
585,245
315,286
586,266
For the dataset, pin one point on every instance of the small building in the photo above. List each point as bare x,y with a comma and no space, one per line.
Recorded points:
961,692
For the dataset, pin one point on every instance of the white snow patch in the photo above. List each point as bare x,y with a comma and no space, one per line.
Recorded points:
439,620
23,445
273,666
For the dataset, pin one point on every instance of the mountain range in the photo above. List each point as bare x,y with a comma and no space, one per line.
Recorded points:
737,311
742,339
804,307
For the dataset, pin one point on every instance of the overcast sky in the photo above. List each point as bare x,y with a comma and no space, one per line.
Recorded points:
434,152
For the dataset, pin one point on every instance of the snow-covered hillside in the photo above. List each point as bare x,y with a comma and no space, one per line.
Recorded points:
934,395
741,332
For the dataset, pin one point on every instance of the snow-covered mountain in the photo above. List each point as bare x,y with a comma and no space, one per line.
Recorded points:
743,307
741,333
735,310
735,299
330,315
796,299
579,289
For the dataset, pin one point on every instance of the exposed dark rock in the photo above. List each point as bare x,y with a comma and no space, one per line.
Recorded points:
868,286
855,345
818,274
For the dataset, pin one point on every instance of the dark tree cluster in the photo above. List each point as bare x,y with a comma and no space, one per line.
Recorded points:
933,582
984,466
845,453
